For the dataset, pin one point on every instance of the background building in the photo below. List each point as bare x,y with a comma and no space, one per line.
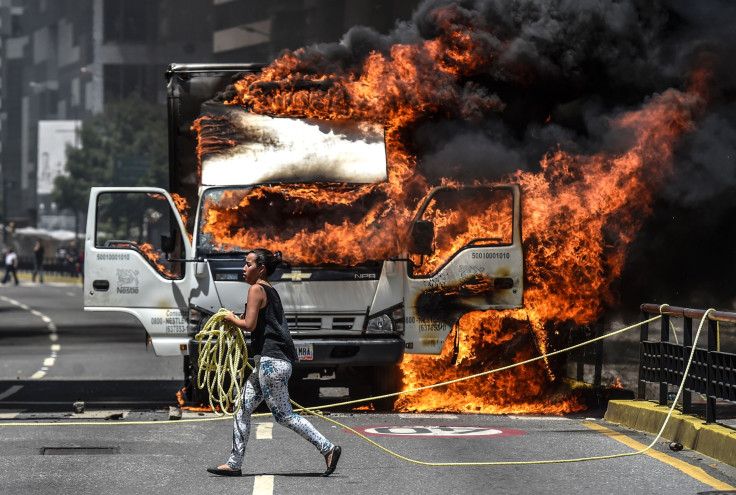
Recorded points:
62,60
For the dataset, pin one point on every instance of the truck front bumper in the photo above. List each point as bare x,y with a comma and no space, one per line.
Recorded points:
340,352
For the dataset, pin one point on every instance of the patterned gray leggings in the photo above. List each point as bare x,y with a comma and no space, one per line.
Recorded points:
269,381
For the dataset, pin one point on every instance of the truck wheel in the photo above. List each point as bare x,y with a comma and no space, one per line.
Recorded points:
194,394
386,380
358,380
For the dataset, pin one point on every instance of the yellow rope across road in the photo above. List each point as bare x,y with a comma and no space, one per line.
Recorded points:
226,359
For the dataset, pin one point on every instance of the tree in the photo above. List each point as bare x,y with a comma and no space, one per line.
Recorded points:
126,144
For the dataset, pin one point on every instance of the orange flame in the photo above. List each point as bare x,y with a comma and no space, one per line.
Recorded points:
198,408
155,257
579,213
182,206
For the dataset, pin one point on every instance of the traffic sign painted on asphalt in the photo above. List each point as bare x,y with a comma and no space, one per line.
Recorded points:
437,431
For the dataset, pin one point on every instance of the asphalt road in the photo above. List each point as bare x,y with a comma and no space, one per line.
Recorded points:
52,354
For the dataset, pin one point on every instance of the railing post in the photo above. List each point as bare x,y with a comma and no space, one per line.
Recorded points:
580,364
687,344
664,336
710,395
598,370
641,390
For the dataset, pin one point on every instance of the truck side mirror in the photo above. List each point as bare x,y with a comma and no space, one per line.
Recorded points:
422,238
167,244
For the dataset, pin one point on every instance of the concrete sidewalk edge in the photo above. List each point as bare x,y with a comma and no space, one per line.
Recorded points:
714,440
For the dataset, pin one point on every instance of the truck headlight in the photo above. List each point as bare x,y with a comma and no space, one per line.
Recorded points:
380,324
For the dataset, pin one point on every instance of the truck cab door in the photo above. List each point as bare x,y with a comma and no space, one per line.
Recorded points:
465,244
134,253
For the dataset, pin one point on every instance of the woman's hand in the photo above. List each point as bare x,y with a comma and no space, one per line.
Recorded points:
230,318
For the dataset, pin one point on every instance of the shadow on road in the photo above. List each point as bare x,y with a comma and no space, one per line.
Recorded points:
60,395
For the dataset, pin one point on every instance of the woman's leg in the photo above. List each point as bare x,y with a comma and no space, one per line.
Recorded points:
251,398
274,377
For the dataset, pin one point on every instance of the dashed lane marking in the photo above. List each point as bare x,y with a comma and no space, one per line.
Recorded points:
263,485
10,391
50,360
264,431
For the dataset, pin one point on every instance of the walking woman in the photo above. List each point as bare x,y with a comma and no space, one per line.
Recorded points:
274,353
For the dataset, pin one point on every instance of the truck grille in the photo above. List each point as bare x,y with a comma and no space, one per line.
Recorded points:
318,323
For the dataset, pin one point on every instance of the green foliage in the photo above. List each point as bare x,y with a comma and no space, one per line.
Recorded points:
130,131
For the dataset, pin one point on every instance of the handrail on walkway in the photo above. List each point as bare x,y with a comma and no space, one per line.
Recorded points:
712,373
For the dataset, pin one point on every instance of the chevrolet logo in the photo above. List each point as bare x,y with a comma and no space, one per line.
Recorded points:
295,276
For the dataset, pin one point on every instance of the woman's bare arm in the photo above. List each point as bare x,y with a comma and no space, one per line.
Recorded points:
256,301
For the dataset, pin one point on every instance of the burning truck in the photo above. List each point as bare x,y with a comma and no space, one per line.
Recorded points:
351,158
376,265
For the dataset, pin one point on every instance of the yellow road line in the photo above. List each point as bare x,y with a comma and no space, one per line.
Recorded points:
689,469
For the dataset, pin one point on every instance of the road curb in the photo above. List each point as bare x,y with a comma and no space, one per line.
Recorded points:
714,440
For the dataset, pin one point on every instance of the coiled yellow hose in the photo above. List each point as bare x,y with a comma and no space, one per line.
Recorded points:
222,362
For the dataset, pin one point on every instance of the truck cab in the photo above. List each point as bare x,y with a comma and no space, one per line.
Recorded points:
353,316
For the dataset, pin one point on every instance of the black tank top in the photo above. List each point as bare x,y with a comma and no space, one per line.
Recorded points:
271,337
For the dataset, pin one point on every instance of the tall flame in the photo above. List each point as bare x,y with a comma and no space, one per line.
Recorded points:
580,212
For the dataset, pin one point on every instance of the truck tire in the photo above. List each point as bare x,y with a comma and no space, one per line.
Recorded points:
195,395
385,380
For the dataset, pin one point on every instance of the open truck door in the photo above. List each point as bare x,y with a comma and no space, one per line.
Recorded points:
466,246
134,254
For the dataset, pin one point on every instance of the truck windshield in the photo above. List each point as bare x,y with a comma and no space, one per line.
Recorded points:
312,224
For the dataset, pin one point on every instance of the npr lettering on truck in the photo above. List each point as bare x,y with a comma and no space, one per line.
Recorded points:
362,281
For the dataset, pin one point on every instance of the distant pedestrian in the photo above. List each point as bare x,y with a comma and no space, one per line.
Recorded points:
38,252
11,266
72,255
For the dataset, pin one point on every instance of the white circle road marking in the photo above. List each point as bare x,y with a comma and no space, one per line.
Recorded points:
437,431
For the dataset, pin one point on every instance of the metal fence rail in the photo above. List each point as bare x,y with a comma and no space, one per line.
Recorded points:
712,373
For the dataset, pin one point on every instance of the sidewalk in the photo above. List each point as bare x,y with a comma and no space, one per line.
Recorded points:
716,440
26,276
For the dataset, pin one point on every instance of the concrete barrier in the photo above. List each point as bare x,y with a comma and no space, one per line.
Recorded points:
714,440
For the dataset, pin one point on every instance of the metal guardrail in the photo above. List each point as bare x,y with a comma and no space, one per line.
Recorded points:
712,373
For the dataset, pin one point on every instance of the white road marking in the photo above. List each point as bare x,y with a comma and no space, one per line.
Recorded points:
263,485
10,391
51,359
264,431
